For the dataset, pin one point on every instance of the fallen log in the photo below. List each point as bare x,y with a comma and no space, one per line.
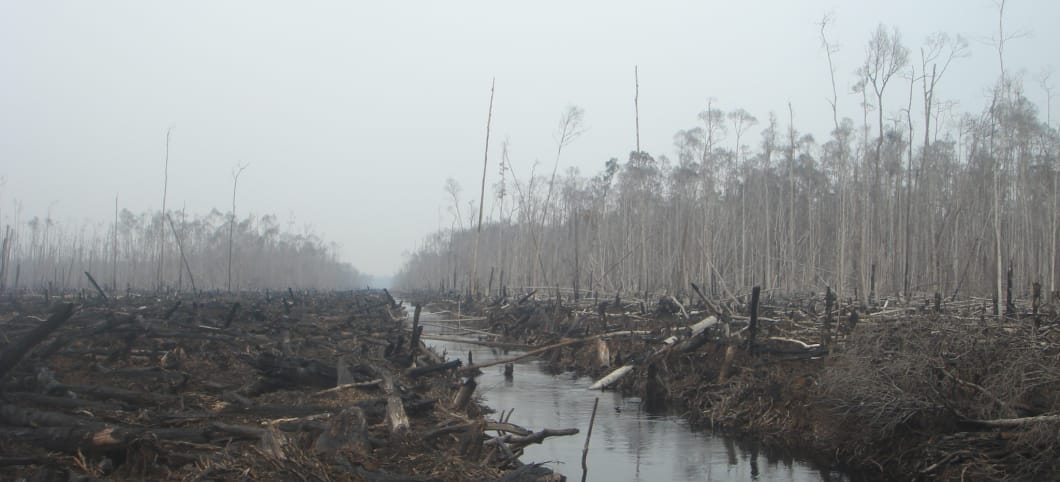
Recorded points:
396,417
471,368
1015,422
31,417
65,402
611,378
463,427
526,297
9,461
427,370
684,314
105,392
535,437
699,327
695,340
531,472
494,344
70,434
18,349
296,371
808,346
347,386
96,285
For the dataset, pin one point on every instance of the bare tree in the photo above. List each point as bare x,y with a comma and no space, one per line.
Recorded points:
569,129
885,56
452,188
236,172
829,49
1001,100
482,194
741,121
1047,86
162,231
649,224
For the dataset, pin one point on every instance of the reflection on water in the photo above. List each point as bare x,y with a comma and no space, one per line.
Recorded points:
627,444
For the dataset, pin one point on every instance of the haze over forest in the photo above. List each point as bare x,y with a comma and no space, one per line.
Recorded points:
350,120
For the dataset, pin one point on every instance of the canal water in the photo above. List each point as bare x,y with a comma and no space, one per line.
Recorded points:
628,443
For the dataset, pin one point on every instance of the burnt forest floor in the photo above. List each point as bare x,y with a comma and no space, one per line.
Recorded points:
259,386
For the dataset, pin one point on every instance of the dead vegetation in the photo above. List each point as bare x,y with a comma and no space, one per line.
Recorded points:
959,394
289,386
921,388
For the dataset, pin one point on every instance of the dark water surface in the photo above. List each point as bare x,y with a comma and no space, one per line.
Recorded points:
628,443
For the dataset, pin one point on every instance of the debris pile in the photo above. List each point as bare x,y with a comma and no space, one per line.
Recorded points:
289,386
917,387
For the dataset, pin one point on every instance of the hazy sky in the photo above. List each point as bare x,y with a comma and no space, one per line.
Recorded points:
351,115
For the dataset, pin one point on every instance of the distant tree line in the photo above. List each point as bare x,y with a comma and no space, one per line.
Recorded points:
128,253
888,204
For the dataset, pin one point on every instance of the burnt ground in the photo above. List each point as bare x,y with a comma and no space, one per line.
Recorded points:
900,390
262,386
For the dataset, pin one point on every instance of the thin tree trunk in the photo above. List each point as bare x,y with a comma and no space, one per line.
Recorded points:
232,224
482,194
162,231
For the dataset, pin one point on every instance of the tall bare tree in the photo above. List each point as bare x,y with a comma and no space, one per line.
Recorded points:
236,172
482,194
162,226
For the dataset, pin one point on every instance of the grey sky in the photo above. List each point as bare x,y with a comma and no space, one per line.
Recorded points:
352,114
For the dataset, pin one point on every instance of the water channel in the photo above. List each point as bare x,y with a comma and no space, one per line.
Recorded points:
627,444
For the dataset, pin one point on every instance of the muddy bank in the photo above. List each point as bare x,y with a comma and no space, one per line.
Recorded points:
269,386
900,390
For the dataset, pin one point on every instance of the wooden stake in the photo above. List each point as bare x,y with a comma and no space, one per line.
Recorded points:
753,326
464,395
1035,302
588,435
827,336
